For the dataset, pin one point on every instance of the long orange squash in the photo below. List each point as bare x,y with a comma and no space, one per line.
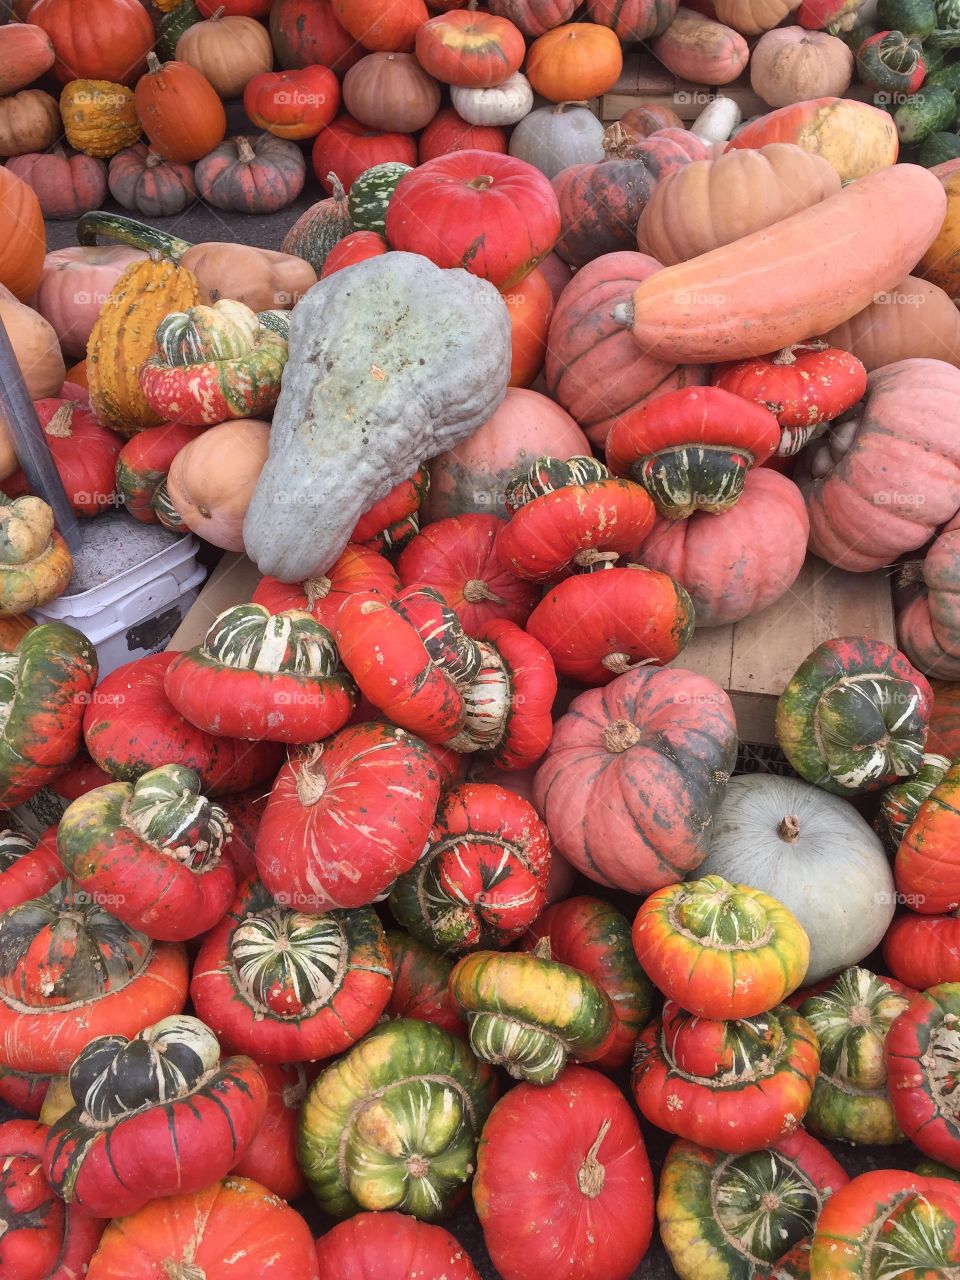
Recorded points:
799,277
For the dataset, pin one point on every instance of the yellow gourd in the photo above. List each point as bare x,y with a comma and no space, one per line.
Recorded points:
99,117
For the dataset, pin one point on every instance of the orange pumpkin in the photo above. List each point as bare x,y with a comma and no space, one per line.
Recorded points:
388,25
530,304
293,104
180,111
211,480
96,39
77,374
26,52
23,237
470,49
574,62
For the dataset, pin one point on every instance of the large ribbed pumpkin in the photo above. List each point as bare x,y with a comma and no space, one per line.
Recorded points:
124,336
96,39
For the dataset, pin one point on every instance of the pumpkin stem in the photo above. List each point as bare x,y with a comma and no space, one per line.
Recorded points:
786,356
59,424
590,555
789,828
561,107
152,160
591,1174
618,663
153,63
182,1270
311,780
544,949
481,182
620,735
217,14
475,590
623,314
317,589
910,572
615,139
245,153
336,187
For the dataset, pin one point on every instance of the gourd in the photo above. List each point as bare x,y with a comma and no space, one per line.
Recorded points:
23,239
99,118
251,175
139,180
394,304
855,137
502,104
576,61
35,563
211,479
913,319
29,121
35,345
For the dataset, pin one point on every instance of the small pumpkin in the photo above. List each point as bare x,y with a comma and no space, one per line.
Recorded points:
633,21
84,453
66,185
99,117
179,110
143,462
141,180
392,92
29,121
251,175
700,49
505,103
26,53
791,64
575,61
891,61
228,51
358,246
211,480
552,138
392,1246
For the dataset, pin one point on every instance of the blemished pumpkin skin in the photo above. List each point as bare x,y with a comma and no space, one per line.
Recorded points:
574,62
528,1015
698,48
26,52
394,1123
130,726
633,20
725,1216
734,1086
900,802
482,878
926,861
421,985
155,850
853,717
709,203
292,104
44,685
284,986
591,936
854,137
740,562
77,33
850,1020
357,568
470,49
28,122
448,132
596,626
236,1218
143,462
271,1158
158,1114
750,950
441,208
180,111
392,1246
459,558
790,65
920,1055
70,971
252,175
305,33
42,1237
346,817
24,1091
600,204
658,747
572,1153
883,1214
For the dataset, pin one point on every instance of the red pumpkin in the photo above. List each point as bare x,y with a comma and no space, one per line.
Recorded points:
84,453
356,569
634,775
143,462
66,186
392,1246
306,33
600,205
568,1153
918,1053
245,812
292,104
464,47
926,868
390,523
358,246
458,557
42,1237
346,817
922,951
389,25
27,869
496,216
77,29
633,20
130,726
271,1158
447,132
421,985
23,1091
252,175
347,149
530,304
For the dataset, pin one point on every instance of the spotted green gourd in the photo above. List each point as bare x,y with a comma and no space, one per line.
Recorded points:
546,475
370,194
172,27
900,803
278,321
250,638
946,34
851,1020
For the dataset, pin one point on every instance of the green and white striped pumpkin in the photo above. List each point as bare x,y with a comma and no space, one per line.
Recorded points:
249,637
371,193
546,475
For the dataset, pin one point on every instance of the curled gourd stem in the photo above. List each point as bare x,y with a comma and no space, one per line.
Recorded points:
591,1174
475,590
311,780
789,828
620,735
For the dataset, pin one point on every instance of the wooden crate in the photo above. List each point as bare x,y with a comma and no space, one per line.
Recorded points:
753,660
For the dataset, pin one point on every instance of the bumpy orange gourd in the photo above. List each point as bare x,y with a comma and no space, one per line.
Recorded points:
99,117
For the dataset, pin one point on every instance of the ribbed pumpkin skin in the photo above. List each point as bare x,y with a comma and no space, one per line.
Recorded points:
23,242
712,202
700,49
927,870
103,41
99,117
142,182
318,229
391,91
633,20
263,176
66,185
26,52
915,319
228,51
533,17
392,1246
919,1053
751,17
447,132
306,33
123,338
389,25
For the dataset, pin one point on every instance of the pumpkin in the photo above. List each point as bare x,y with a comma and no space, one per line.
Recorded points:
24,238
94,1154
854,137
42,1236
179,110
900,802
483,874
305,33
663,743
790,65
471,49
692,1076
924,867
679,314
640,122
700,49
502,104
292,104
355,247
394,1123
637,20
447,132
391,92
73,286
140,180
710,203
84,454
392,1246
914,319
470,478
27,869
143,462
448,206
530,304
228,51
23,1090
892,61
271,1158
533,17
99,117
594,938
600,205
575,61
130,727
774,1200
109,979
285,986
358,568
66,186
77,28
573,1149
927,627
421,984
26,53
37,351
551,138
321,227
212,478
29,121
367,206
919,1052
346,149
751,17
390,26
939,263
202,1228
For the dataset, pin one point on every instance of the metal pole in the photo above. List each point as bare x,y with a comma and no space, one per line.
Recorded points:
30,442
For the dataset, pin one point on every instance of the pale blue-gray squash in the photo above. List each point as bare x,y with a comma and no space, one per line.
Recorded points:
391,362
814,853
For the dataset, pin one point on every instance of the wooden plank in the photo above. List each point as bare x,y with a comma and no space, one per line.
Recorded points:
709,653
232,582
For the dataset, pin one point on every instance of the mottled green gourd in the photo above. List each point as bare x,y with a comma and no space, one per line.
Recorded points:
249,637
370,194
546,475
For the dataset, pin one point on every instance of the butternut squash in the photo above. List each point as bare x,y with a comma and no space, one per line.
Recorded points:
801,276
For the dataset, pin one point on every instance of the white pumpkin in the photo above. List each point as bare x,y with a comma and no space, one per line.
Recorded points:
503,104
553,138
814,853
